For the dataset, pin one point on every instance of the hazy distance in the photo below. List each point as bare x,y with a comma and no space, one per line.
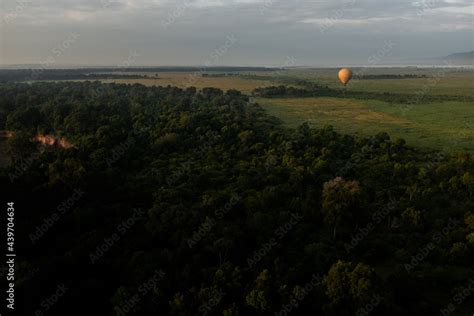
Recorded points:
56,33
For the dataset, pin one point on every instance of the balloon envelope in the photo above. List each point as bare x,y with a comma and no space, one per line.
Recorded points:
345,75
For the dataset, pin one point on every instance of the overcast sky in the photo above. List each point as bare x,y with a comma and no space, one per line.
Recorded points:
232,32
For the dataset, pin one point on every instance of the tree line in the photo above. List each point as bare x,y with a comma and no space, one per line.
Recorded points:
310,89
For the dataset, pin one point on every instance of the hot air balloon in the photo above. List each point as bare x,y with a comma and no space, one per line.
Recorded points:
345,75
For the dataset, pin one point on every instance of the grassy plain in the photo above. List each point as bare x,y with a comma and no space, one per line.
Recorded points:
438,81
441,125
446,125
183,80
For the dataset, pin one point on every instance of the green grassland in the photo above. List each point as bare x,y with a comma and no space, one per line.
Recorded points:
438,81
441,125
445,125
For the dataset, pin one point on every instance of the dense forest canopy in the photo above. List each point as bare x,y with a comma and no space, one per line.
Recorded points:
183,202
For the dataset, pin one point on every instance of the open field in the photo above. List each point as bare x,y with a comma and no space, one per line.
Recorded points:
183,79
443,81
441,125
448,126
437,81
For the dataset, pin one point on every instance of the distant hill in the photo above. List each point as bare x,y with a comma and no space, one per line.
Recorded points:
466,58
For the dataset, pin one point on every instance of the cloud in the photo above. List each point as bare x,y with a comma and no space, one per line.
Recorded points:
186,31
